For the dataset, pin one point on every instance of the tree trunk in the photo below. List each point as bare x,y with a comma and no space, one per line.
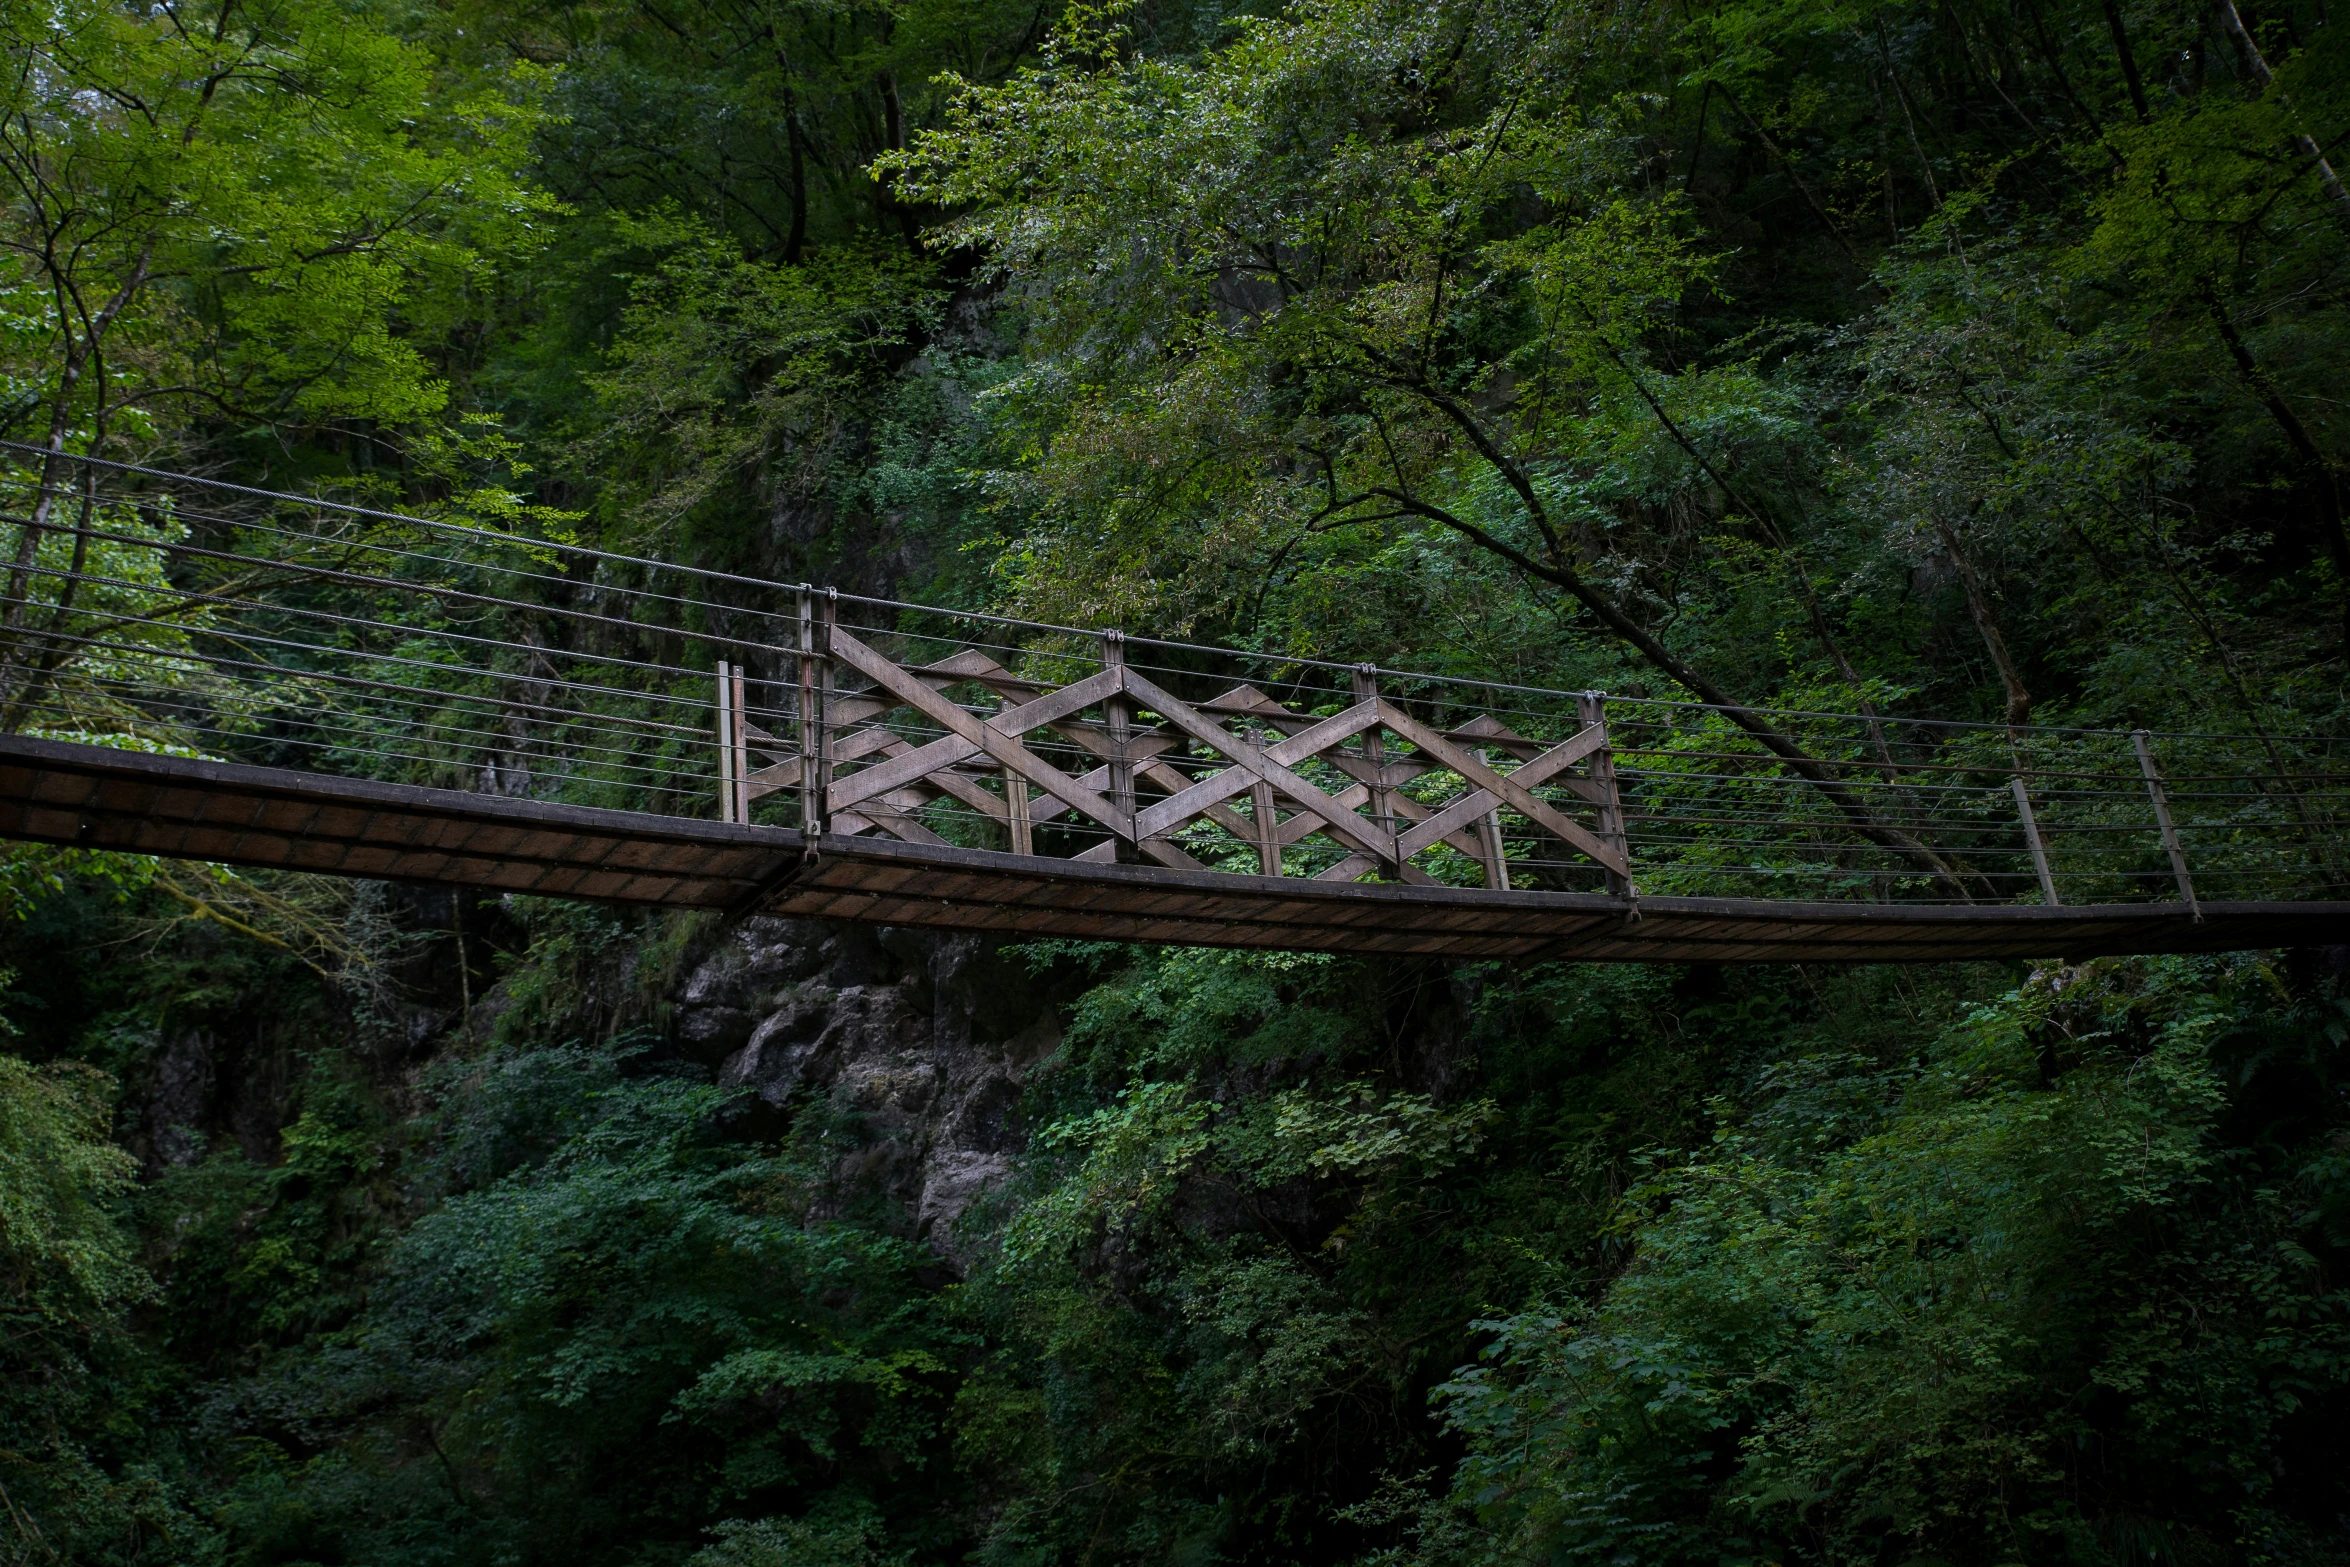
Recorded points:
2260,72
1978,608
28,544
2328,483
797,241
2121,46
1849,805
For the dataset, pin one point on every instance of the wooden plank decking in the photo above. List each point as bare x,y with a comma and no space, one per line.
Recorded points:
53,792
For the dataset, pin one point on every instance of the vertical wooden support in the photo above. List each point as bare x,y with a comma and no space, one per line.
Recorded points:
726,786
1016,803
741,746
1121,716
1366,687
1382,792
1267,823
827,616
2170,834
1018,821
1591,708
1497,860
1383,812
2023,808
811,787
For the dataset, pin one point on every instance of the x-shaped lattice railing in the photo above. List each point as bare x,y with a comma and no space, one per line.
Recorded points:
855,774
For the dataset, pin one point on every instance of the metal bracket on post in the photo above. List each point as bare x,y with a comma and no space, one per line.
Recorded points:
1591,708
2023,808
2170,834
1121,716
726,781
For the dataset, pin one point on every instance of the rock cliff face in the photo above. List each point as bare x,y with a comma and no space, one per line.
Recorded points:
924,1036
924,1039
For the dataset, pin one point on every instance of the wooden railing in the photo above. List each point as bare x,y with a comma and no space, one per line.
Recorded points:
1237,768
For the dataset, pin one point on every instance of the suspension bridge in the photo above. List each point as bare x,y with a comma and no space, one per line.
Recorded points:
201,670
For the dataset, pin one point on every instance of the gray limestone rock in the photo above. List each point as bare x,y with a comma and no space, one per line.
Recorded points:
953,1179
924,1040
780,1049
713,1033
180,1100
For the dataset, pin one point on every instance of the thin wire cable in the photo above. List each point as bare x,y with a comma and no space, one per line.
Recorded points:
406,633
445,591
494,742
569,584
1279,660
446,763
297,676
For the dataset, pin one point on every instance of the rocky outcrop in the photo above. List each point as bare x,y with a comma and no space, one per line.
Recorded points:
916,1044
921,1039
180,1101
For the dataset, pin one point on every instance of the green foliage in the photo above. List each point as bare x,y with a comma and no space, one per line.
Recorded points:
67,1260
1393,327
2015,1299
1962,360
619,1323
256,208
681,399
788,1542
1251,1239
33,873
68,1274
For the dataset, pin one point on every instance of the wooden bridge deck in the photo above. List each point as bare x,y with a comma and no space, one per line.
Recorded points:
53,792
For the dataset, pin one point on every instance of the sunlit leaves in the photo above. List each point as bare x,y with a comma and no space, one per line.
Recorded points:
249,213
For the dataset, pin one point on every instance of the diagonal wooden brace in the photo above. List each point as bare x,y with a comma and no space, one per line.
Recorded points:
1352,795
1515,796
904,767
1477,802
1250,766
1325,733
913,763
983,736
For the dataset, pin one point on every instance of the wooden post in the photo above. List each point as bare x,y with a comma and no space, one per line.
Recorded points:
1121,716
1366,688
1017,819
828,616
741,747
2023,808
1591,708
1016,803
1265,820
1497,861
811,784
2170,834
726,789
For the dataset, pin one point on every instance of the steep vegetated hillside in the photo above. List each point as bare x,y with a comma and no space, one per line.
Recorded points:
1976,360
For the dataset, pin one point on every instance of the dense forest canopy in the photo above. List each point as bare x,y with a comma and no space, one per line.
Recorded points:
1976,359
